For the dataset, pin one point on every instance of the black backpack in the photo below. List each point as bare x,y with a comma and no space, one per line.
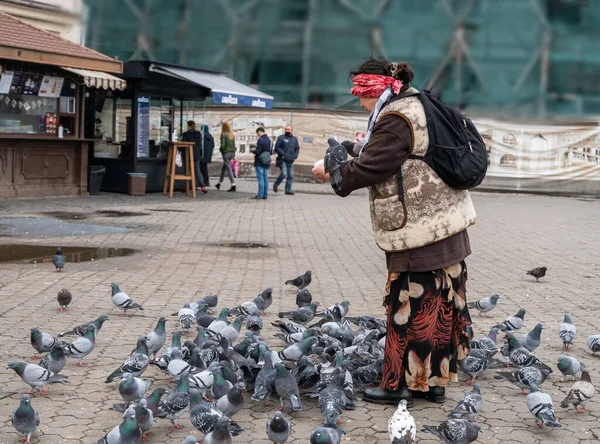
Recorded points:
456,150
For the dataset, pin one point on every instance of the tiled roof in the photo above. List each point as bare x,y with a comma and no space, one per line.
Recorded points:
16,34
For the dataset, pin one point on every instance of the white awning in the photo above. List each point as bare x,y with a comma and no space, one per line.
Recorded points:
99,79
225,91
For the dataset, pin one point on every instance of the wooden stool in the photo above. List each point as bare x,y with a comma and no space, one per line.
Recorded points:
188,162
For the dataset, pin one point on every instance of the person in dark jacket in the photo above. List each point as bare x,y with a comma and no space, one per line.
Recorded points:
192,135
263,145
209,146
287,147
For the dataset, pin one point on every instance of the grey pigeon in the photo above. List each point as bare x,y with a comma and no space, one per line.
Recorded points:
520,356
42,342
265,379
127,432
332,401
294,338
36,376
25,418
186,317
211,301
247,308
567,331
233,401
289,327
531,340
524,377
220,435
513,323
221,386
469,406
58,260
326,435
121,300
254,324
232,331
203,319
279,429
540,405
266,299
64,298
191,440
569,366
482,353
81,329
196,306
204,415
538,273
135,364
581,392
167,355
455,431
220,323
132,388
144,417
336,310
301,315
158,337
368,374
55,360
295,351
177,366
82,346
402,428
593,343
287,388
303,298
485,305
153,400
301,282
486,342
474,367
173,406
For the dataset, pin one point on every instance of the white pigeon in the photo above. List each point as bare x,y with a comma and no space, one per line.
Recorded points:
567,331
186,317
121,300
402,428
581,392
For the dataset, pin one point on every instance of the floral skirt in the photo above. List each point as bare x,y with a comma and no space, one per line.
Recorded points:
427,317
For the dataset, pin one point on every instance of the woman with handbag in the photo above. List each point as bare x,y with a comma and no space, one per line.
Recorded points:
228,152
262,161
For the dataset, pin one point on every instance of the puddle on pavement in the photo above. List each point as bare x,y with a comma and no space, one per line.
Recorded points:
66,215
19,253
242,245
115,213
47,227
168,210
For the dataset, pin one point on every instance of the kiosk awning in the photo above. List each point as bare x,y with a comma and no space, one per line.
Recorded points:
98,79
225,91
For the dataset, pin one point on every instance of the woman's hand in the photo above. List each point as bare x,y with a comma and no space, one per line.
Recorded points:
319,172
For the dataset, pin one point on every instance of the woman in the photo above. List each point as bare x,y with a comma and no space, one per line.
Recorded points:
228,152
423,235
209,145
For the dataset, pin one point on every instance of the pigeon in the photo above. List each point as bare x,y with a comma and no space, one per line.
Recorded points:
593,343
42,342
58,260
121,300
279,429
158,337
520,356
513,323
474,367
266,299
526,376
531,340
135,364
287,388
132,388
486,342
567,331
144,417
480,353
485,305
264,383
455,431
220,323
55,360
295,351
186,317
336,311
177,366
569,367
294,338
25,418
204,415
301,282
36,376
233,401
469,405
247,308
220,434
537,273
254,324
80,330
221,386
191,440
332,401
82,346
289,327
127,432
211,301
64,298
303,298
402,428
326,435
232,331
580,393
153,400
173,406
368,374
540,405
204,380
302,315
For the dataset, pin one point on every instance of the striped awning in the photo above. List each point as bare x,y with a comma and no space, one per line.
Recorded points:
99,79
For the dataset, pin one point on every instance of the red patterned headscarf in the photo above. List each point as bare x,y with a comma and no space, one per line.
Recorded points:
373,85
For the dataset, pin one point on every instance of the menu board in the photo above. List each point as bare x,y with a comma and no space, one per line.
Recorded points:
51,86
25,83
143,127
5,81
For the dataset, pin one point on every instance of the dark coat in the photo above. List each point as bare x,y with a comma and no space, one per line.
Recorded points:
263,144
287,147
209,145
196,137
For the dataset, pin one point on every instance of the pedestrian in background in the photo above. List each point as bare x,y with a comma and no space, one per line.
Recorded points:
287,147
228,152
209,146
193,135
262,161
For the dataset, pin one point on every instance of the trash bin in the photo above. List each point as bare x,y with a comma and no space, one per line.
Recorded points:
96,176
136,184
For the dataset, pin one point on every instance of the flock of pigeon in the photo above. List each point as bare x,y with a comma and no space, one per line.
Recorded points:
325,355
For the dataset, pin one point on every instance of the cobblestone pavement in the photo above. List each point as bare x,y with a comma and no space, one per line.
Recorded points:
181,259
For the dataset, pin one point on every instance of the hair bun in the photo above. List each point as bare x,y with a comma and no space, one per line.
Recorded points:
402,71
